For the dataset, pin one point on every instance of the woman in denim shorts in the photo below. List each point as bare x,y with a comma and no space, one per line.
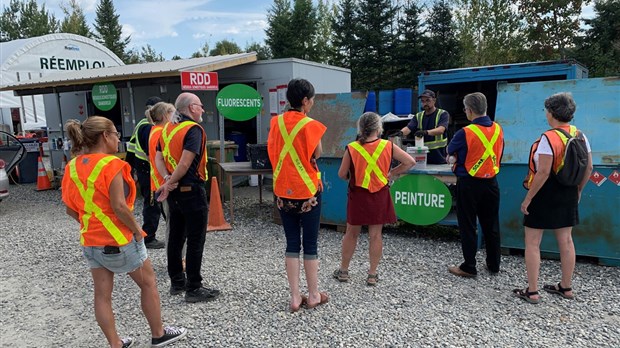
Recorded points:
99,193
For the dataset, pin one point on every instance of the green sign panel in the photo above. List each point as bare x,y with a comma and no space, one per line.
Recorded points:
421,199
104,96
239,102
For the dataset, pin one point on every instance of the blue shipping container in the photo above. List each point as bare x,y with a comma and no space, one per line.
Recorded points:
371,102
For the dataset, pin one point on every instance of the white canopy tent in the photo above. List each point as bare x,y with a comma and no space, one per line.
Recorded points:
33,58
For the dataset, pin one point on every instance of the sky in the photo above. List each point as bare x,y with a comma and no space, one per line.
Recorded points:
182,27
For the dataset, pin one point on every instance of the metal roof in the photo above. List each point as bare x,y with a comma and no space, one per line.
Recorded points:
171,68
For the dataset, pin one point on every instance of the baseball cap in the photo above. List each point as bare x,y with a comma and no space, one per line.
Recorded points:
153,100
427,93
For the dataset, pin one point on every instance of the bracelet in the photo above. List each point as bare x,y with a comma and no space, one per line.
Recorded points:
166,177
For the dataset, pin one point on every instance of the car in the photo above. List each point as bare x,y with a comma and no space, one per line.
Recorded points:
12,152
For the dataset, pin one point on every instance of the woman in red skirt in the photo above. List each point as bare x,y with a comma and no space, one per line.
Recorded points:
366,164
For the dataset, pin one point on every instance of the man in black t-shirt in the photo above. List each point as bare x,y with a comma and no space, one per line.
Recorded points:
434,125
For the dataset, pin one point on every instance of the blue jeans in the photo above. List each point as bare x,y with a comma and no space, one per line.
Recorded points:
297,224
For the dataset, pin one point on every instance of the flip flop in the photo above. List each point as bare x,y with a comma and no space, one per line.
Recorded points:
304,300
324,300
559,290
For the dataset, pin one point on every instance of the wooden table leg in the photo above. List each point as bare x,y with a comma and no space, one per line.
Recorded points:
260,188
230,188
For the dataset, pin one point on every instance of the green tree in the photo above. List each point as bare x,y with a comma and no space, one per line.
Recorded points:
344,26
279,32
146,54
443,48
109,30
552,26
262,52
323,49
600,48
225,47
203,52
74,21
411,45
372,65
24,19
176,57
489,32
304,25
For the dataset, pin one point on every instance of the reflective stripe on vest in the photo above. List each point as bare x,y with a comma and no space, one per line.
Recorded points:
154,173
440,140
289,149
572,130
556,165
166,138
134,144
488,149
90,208
372,166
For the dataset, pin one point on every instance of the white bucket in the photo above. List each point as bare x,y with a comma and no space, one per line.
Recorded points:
419,154
253,180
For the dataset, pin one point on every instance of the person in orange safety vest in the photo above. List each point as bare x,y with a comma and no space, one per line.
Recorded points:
548,203
294,145
366,164
478,150
99,193
182,159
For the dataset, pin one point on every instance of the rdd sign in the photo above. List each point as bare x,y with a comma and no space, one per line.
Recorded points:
199,81
421,199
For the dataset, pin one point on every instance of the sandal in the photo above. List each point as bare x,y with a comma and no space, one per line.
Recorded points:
372,279
342,276
324,299
559,290
526,295
304,300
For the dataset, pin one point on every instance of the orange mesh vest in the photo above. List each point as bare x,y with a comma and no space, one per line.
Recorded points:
371,162
558,147
86,190
484,150
293,137
171,144
156,179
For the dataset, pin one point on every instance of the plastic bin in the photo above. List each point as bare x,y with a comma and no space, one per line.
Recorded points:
213,151
402,101
241,141
371,102
259,158
28,167
386,102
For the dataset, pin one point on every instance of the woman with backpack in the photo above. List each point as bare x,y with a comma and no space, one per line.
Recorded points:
552,201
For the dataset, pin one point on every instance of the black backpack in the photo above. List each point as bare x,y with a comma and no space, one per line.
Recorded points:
575,160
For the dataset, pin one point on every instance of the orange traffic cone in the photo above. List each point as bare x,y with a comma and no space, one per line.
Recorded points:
216,214
43,181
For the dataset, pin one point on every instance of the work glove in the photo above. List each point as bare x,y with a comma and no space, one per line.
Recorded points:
420,133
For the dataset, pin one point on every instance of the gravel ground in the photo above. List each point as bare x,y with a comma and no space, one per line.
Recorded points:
46,292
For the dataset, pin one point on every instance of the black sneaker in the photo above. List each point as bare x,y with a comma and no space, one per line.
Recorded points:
154,244
171,334
176,289
201,295
127,342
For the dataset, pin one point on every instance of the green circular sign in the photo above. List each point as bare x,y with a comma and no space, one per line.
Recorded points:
421,199
104,96
239,102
